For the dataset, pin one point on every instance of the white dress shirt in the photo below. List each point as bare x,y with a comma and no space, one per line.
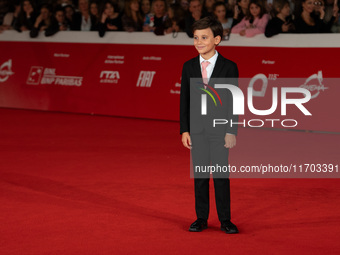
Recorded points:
85,25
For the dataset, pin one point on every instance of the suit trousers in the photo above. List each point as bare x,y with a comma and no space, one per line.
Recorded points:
209,155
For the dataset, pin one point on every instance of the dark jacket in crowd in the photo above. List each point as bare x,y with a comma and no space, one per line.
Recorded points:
320,26
274,26
129,24
102,27
238,20
24,21
35,30
54,27
76,22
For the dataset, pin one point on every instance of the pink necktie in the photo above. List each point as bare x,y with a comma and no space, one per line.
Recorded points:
204,72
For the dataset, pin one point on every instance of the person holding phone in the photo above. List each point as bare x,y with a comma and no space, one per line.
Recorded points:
282,21
240,11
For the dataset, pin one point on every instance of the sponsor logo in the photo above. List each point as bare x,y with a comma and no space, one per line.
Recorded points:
39,75
110,59
35,75
314,88
177,89
152,58
61,55
145,79
268,62
109,77
6,70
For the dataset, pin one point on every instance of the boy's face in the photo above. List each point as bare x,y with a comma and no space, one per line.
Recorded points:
285,10
205,42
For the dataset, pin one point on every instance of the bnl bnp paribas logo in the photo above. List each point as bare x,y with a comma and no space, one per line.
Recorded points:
6,70
239,102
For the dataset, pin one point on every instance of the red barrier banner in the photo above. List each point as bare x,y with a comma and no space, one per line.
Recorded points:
143,81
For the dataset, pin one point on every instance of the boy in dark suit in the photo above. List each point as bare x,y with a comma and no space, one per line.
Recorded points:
209,145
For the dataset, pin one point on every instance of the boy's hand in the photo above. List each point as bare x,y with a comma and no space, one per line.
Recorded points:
285,27
230,141
186,140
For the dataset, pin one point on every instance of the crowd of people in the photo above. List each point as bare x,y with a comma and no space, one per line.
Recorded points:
244,17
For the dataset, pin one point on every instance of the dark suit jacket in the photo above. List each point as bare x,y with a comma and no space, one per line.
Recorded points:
76,22
191,119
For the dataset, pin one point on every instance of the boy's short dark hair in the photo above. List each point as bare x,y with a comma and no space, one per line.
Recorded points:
209,22
279,4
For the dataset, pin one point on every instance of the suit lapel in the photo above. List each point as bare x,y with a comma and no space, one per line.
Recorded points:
218,68
197,72
197,67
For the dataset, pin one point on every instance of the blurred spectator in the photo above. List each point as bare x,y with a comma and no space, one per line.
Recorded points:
132,19
82,20
42,21
255,21
240,11
310,17
178,15
4,6
207,8
194,14
12,16
26,17
59,22
220,10
184,4
171,23
330,9
94,11
63,3
268,5
69,12
331,18
336,26
230,5
145,7
110,19
282,20
157,17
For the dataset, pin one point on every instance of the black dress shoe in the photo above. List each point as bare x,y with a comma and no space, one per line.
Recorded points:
198,225
228,227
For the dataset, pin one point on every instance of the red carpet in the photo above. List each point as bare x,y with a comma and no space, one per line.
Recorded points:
78,184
